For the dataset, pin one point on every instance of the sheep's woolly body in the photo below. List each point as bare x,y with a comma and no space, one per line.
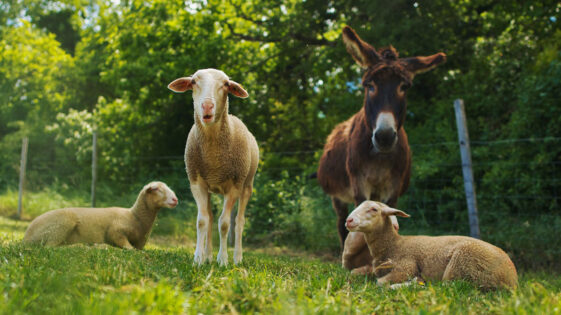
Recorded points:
121,227
221,156
432,258
224,162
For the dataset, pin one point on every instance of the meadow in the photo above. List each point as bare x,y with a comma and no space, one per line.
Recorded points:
270,280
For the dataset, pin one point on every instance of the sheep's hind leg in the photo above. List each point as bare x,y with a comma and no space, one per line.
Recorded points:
224,226
201,196
240,221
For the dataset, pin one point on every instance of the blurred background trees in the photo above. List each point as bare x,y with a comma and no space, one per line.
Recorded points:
69,67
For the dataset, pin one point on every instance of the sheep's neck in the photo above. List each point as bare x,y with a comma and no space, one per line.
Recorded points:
144,213
381,241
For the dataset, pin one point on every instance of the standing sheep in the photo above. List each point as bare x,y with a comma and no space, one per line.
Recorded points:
221,157
120,227
429,257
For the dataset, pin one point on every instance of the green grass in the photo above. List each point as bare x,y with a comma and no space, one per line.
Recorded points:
162,279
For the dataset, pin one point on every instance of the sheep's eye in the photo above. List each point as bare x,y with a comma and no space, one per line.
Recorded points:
373,210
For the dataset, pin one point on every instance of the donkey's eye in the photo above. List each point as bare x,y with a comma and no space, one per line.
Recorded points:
404,87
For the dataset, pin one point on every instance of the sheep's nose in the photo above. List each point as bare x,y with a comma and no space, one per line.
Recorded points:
174,199
208,107
350,220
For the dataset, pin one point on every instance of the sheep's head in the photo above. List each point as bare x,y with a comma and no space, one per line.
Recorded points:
210,93
371,215
158,194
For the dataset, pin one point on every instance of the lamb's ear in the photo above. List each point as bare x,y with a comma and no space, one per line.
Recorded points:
364,54
418,65
236,89
181,85
152,188
387,211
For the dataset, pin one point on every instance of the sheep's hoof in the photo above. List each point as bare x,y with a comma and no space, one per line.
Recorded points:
222,260
362,271
199,259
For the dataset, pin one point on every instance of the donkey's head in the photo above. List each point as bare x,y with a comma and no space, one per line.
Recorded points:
385,82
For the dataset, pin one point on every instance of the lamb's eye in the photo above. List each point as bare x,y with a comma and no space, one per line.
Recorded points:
372,210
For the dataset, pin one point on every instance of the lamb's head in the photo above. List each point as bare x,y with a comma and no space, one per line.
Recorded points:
370,216
159,195
210,93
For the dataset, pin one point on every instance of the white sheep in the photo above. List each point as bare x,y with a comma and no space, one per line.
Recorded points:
221,157
429,257
121,227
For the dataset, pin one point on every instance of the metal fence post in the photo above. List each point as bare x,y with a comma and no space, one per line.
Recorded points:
463,137
94,166
23,163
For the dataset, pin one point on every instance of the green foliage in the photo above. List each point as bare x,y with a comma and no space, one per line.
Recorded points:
70,67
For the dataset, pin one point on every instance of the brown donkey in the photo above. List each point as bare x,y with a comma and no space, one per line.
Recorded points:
367,157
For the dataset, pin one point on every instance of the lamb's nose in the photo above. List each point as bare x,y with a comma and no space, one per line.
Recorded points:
350,220
174,199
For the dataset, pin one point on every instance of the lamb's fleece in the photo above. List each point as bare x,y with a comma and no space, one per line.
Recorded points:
121,227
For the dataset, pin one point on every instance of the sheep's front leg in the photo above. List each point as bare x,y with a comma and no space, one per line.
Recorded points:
224,226
122,241
240,221
203,251
399,275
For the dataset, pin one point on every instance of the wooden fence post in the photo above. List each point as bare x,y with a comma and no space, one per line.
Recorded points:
463,137
94,166
23,163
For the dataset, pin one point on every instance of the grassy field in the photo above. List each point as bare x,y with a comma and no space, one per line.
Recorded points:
162,279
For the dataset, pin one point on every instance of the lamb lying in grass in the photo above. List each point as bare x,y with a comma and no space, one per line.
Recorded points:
121,227
426,257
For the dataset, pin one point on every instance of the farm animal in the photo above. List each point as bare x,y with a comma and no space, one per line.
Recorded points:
432,258
221,157
367,157
120,227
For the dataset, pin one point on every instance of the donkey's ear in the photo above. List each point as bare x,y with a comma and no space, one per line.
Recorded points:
364,54
181,85
418,65
236,89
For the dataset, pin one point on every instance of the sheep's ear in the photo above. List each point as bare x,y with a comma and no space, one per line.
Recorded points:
418,65
364,54
236,89
387,211
181,85
152,188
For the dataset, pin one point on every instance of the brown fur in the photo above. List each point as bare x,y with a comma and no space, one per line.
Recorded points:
432,258
350,169
120,227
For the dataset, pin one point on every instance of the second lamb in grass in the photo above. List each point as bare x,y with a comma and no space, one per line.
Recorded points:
430,258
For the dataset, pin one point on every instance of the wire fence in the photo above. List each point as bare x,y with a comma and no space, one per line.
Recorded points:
517,185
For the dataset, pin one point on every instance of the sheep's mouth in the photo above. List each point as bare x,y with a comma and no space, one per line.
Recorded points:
207,118
351,226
